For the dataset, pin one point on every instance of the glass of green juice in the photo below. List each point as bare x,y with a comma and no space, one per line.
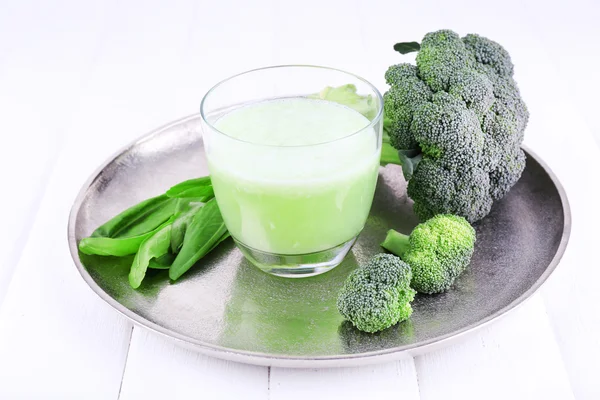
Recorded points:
293,163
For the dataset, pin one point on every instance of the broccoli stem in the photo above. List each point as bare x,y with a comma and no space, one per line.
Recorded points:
389,155
396,243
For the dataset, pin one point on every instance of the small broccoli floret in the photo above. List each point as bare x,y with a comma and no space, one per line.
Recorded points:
437,250
457,120
378,295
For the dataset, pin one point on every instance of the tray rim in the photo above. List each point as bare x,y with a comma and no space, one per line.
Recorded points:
281,360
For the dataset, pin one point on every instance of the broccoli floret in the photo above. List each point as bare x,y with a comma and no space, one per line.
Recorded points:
488,52
507,173
460,115
442,54
437,250
438,190
474,89
378,295
508,116
406,94
447,131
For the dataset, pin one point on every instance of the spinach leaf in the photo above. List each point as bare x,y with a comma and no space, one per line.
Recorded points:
139,219
106,246
205,230
224,237
200,187
156,245
162,262
186,210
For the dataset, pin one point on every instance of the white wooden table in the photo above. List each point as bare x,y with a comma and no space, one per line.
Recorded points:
80,79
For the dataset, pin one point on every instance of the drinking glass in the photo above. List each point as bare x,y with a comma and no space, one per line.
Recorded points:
294,206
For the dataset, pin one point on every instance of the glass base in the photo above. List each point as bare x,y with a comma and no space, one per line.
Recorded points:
297,265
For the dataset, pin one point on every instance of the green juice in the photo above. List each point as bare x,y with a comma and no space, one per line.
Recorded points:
294,175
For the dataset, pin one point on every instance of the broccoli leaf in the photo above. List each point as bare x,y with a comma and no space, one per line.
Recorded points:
389,155
407,47
347,96
409,159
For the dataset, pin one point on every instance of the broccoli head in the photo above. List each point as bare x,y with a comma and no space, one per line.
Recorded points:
459,115
437,250
378,295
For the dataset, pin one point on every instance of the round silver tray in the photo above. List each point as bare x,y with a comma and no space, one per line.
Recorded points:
227,308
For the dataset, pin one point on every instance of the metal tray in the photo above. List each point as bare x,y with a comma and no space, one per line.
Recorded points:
227,308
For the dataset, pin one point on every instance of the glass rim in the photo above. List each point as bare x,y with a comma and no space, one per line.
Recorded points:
372,122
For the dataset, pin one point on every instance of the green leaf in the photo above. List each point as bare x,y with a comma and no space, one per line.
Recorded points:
346,95
104,246
185,213
409,159
204,193
224,237
199,187
139,219
156,245
389,155
407,47
162,262
205,230
153,264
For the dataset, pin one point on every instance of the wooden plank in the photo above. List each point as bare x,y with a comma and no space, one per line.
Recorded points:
159,369
397,379
571,294
573,51
559,133
224,40
211,52
516,357
339,38
45,57
57,338
53,329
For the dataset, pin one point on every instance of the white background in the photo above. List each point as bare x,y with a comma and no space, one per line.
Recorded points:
80,79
